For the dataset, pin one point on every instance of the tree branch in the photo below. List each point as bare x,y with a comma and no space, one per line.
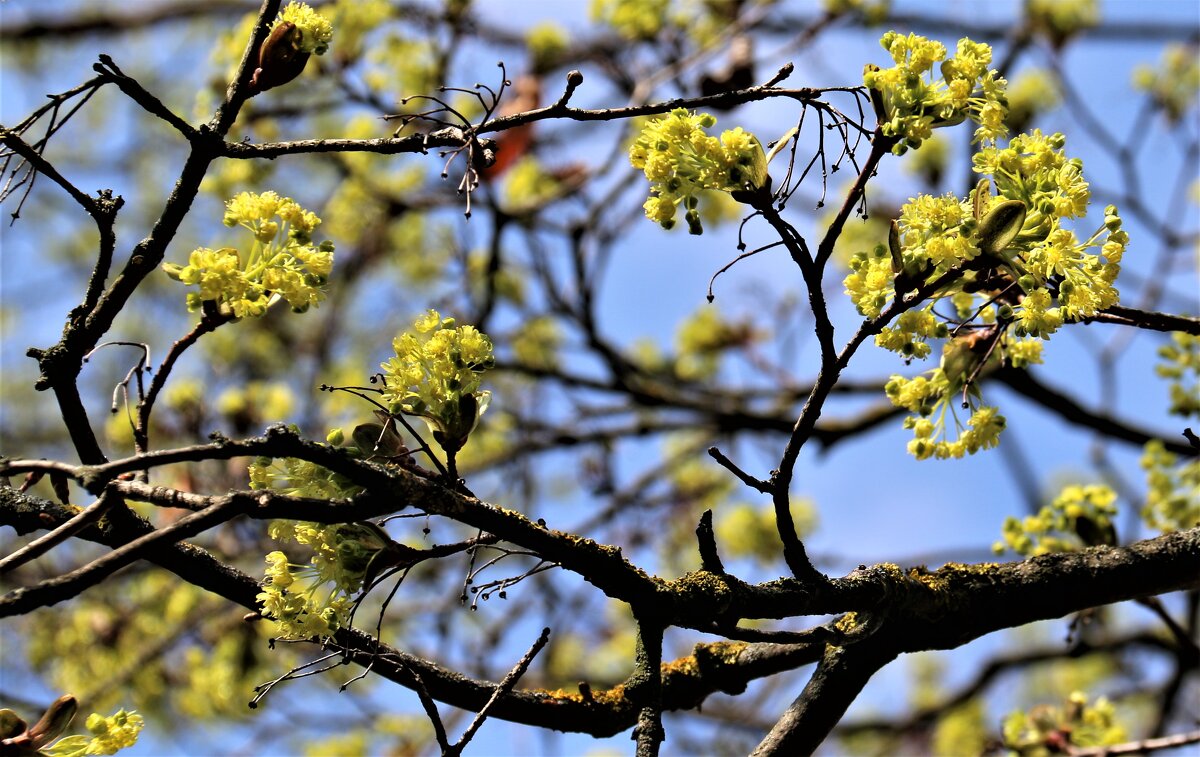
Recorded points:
840,676
1024,383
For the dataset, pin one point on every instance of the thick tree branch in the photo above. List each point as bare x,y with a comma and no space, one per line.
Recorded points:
925,610
840,676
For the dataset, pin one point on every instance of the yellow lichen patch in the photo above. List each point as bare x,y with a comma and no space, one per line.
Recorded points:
725,652
684,666
704,656
946,583
847,623
560,694
950,575
702,585
613,697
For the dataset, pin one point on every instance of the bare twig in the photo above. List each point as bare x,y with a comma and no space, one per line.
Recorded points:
506,685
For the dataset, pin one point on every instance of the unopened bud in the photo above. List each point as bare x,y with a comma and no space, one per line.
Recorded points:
280,58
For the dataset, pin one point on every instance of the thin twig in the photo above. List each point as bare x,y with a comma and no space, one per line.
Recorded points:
48,541
59,588
505,686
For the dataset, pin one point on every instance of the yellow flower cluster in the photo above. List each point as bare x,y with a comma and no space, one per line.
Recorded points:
316,599
1173,489
1060,20
632,19
300,614
1013,273
915,102
982,431
681,159
1080,516
702,339
1174,88
315,30
1181,364
1041,731
280,264
299,478
435,375
912,328
109,736
1044,256
341,551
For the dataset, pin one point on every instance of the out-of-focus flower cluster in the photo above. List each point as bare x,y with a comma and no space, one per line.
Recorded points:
1049,729
702,340
915,102
632,19
435,375
681,159
1080,516
1175,85
1059,20
1008,267
546,42
1181,364
1173,489
872,11
1033,91
281,263
315,599
299,478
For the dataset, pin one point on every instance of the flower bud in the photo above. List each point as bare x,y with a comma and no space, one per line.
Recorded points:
280,58
54,721
894,247
1000,226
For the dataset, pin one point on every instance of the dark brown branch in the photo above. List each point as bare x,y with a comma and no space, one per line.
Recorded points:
1065,406
838,680
54,590
413,143
1147,320
109,71
710,559
724,100
938,610
13,142
45,543
742,476
645,685
210,321
431,710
